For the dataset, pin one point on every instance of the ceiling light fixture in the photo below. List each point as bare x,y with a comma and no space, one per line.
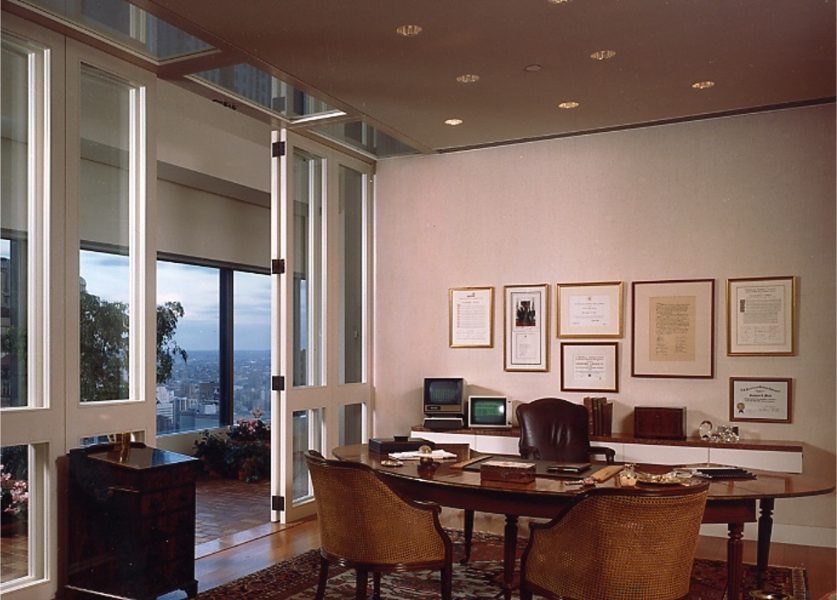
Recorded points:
453,122
703,85
603,54
558,1
408,30
568,104
533,68
468,78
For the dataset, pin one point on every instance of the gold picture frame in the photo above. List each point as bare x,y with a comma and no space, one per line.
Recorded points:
589,310
471,317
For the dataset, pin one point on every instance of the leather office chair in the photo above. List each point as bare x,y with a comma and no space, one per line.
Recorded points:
555,429
617,544
367,526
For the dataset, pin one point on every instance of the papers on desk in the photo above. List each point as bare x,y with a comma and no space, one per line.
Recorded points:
435,455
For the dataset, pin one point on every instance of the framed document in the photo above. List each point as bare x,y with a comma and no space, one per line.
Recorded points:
589,367
761,313
762,399
526,310
589,310
673,328
471,317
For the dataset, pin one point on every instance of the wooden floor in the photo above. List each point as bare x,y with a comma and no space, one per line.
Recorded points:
273,543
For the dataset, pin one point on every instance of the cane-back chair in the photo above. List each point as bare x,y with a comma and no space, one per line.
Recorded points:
367,526
619,544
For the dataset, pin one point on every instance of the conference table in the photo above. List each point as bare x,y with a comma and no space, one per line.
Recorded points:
449,484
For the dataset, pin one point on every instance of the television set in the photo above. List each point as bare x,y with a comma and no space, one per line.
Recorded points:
489,411
444,396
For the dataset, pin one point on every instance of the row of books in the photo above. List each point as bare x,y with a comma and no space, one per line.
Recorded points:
599,415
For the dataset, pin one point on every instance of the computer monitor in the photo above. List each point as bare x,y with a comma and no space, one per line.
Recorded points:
489,411
444,396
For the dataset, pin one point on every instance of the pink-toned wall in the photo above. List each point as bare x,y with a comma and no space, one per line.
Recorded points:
750,195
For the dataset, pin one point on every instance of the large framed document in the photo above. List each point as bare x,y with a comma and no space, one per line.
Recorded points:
526,310
673,328
471,317
761,312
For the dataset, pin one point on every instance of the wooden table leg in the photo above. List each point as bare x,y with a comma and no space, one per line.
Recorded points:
765,531
509,554
735,558
469,534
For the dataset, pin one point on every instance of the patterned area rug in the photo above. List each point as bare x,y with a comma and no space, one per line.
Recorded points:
296,579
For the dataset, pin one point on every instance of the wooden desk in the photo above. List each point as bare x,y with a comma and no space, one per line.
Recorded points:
730,502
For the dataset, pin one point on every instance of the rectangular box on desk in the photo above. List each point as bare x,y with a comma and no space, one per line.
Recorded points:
507,471
387,445
658,422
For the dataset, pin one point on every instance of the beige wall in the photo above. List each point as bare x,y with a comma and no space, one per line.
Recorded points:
741,196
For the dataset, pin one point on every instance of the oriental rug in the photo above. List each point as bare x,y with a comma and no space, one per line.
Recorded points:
296,579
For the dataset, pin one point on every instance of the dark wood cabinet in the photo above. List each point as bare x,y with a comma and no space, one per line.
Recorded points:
131,522
665,423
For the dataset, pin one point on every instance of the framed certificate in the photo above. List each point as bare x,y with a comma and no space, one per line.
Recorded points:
471,317
589,367
673,328
526,310
761,399
761,313
589,310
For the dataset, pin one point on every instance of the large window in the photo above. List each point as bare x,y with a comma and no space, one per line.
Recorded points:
213,346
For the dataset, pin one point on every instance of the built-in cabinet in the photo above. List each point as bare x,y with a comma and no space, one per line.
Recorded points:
780,456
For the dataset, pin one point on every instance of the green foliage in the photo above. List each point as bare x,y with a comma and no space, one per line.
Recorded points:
242,452
168,314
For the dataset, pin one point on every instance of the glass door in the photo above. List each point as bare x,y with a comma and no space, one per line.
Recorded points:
321,307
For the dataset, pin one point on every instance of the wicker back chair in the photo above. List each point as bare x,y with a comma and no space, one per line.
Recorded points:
367,526
617,544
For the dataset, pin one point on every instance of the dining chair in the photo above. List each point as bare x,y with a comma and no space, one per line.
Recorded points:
620,544
550,429
367,526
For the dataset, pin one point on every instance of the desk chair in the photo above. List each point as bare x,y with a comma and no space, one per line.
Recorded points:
619,544
367,526
550,429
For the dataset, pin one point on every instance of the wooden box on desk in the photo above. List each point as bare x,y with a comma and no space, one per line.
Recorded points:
658,422
507,471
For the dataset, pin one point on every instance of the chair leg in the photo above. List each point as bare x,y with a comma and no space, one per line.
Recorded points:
362,580
447,582
468,531
376,585
321,584
525,592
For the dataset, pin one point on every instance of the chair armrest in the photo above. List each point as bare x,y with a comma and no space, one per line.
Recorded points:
609,453
530,452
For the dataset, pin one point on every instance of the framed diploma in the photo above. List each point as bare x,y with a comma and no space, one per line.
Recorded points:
589,367
471,317
762,399
526,310
589,310
673,328
761,313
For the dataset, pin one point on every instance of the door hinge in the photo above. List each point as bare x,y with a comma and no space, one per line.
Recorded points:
277,383
277,149
277,503
277,266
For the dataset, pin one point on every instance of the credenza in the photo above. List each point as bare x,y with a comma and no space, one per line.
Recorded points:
782,456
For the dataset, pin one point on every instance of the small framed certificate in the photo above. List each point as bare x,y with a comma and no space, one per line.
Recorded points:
471,317
589,310
589,367
762,399
760,316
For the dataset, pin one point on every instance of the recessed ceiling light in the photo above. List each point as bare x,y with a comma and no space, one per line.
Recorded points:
603,54
453,122
533,68
408,30
558,1
468,78
569,104
703,85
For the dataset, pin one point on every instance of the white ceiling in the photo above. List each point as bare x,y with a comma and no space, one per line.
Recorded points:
759,53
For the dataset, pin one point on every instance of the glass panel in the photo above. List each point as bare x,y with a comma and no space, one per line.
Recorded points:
351,424
110,438
353,275
308,270
307,434
251,345
14,512
188,347
358,134
14,194
104,215
126,25
253,84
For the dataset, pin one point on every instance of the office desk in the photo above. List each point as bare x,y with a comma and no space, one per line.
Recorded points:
730,502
